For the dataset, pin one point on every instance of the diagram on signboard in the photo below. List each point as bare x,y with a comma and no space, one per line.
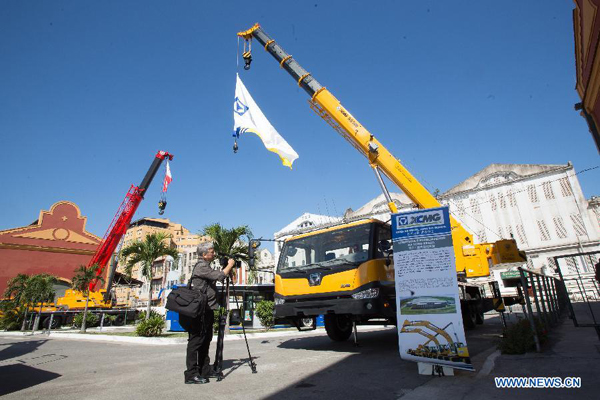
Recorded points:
417,305
453,350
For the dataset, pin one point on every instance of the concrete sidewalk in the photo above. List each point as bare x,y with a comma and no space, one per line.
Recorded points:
569,352
98,337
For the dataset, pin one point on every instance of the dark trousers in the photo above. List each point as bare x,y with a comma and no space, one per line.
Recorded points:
200,333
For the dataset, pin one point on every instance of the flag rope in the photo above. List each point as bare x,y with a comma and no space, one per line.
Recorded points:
237,56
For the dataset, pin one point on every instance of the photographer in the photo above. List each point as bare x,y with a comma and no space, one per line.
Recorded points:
200,329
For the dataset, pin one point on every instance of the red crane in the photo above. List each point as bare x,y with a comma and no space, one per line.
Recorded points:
122,219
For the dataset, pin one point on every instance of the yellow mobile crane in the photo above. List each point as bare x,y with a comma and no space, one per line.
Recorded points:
343,272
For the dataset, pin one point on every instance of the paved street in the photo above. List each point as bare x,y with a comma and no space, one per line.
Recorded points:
298,366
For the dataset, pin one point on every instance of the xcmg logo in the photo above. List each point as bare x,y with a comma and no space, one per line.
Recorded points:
425,218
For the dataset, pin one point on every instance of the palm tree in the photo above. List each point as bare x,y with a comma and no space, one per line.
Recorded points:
83,278
15,291
146,252
39,289
227,242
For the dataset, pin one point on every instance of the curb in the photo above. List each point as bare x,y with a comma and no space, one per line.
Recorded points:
165,341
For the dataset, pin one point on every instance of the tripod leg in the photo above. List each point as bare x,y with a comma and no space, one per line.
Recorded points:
218,365
250,361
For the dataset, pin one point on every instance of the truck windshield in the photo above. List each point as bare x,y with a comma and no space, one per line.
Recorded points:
327,249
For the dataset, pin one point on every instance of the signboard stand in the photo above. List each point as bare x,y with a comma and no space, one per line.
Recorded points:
434,369
430,327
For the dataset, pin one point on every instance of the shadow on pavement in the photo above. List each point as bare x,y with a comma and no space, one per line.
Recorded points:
374,369
387,339
587,312
231,365
17,377
18,349
480,339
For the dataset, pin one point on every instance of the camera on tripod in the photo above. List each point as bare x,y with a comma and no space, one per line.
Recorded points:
218,364
223,261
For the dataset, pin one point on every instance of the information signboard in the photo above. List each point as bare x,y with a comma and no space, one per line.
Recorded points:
430,327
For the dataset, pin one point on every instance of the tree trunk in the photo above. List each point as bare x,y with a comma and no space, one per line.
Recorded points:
85,310
163,283
24,324
149,308
36,324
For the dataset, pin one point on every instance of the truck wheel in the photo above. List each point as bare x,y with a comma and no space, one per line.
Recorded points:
307,322
478,310
119,320
338,327
479,318
469,316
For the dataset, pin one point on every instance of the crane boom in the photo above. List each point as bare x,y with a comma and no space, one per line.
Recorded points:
122,219
472,259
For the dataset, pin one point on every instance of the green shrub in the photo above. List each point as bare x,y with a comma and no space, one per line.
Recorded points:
518,337
109,319
153,326
91,320
10,320
218,312
264,311
142,315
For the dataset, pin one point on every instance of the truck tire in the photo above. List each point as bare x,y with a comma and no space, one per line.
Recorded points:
479,318
307,322
119,320
478,310
338,327
469,315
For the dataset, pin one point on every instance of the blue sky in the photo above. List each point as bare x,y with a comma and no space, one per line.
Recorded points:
89,91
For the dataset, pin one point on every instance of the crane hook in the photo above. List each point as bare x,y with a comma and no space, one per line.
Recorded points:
162,204
247,56
235,146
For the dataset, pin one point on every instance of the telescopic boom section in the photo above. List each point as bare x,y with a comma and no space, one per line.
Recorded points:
332,111
122,219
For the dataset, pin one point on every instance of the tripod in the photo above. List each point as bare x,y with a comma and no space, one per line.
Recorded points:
218,365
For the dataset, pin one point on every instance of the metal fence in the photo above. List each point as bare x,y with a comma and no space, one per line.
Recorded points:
582,290
545,300
52,320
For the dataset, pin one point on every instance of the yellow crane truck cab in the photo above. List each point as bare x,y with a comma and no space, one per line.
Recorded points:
344,273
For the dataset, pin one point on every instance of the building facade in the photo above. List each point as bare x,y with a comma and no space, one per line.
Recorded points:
56,243
586,29
541,206
164,270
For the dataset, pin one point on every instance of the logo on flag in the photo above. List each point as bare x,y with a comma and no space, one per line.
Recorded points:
239,107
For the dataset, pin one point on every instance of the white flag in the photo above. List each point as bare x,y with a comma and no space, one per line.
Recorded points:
168,178
247,117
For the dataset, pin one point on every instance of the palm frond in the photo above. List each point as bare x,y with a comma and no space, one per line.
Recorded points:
228,242
146,252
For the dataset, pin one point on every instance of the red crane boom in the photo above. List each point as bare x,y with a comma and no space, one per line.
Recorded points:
122,218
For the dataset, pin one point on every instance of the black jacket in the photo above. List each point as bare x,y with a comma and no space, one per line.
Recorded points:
204,278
